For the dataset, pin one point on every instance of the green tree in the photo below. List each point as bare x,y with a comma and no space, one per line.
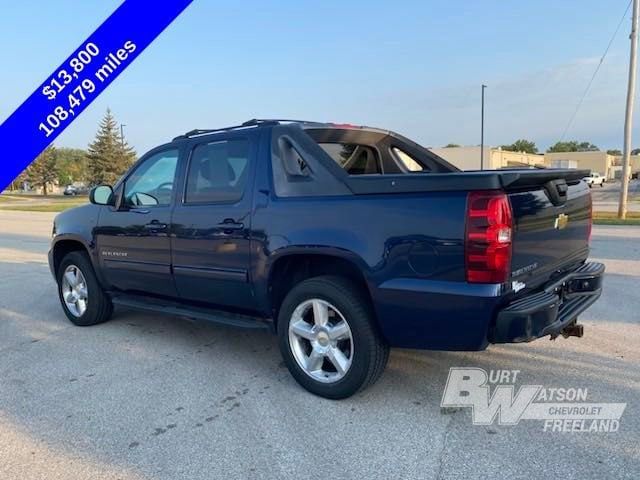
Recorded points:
72,165
43,172
109,155
521,145
614,152
587,147
573,146
451,145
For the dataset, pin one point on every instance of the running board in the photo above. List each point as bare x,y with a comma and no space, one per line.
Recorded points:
150,304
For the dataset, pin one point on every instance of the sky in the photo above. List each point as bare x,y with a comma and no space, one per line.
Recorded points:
415,67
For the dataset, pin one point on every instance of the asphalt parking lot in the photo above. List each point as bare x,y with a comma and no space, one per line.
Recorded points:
154,397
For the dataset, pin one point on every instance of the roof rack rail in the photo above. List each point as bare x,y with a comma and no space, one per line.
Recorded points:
254,122
308,123
261,121
250,123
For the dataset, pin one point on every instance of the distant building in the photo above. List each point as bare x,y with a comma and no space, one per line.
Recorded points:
600,162
635,165
468,158
562,163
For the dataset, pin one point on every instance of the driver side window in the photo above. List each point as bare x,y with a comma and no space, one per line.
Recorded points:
151,184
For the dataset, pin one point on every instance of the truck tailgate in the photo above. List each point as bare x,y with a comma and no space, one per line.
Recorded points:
550,234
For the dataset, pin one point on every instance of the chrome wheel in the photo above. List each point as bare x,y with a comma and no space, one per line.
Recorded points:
321,341
74,291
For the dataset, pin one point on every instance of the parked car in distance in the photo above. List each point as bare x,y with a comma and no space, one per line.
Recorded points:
594,179
343,241
75,190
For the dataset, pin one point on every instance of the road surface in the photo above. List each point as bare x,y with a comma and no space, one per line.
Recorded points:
156,397
606,199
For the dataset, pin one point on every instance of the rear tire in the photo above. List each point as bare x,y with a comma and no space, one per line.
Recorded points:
81,296
333,354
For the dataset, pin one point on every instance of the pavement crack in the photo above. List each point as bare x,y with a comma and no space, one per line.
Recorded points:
445,438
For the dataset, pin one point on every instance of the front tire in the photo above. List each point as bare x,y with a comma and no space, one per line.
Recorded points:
82,299
328,337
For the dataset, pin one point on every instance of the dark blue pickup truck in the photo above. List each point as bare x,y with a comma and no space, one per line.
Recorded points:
342,240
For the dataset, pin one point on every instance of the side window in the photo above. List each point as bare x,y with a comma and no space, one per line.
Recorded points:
218,172
406,161
292,161
151,184
355,159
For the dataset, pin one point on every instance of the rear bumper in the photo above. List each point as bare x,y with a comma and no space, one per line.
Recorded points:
552,311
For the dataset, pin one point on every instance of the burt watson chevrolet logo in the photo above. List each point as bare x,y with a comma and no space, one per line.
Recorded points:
561,409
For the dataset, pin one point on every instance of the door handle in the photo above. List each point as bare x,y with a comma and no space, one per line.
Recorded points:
155,225
229,225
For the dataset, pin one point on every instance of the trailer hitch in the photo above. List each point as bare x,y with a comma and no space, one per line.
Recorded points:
574,330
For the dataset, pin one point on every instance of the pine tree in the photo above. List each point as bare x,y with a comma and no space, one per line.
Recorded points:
43,171
109,154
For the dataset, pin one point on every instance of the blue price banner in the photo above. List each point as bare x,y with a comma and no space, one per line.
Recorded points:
80,79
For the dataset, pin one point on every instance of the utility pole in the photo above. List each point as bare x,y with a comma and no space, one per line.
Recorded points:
122,125
628,119
482,130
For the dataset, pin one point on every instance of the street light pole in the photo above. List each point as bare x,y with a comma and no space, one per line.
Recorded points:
628,119
482,130
122,125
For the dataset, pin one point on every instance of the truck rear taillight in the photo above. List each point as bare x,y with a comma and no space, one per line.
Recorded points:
489,225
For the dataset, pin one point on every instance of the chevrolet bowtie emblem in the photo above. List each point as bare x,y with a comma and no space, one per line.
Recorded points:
561,221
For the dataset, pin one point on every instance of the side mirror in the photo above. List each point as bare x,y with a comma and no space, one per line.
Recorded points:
101,195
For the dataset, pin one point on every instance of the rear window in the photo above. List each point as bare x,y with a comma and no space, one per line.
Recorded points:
354,158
